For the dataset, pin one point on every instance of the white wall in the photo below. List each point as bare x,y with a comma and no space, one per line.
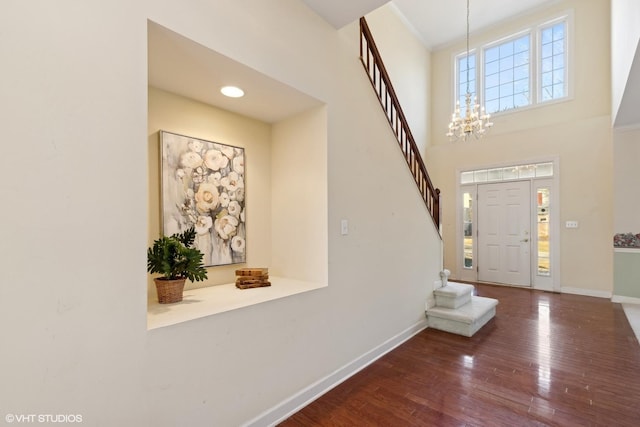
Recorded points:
625,25
74,178
299,197
626,154
73,102
576,132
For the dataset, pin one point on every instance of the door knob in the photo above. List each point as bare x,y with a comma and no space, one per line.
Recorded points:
524,240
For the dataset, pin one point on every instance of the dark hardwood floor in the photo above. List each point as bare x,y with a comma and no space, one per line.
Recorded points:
545,359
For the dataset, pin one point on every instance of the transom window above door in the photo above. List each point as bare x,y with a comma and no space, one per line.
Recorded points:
534,170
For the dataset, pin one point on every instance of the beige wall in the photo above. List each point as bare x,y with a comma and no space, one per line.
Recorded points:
590,72
173,113
75,171
576,132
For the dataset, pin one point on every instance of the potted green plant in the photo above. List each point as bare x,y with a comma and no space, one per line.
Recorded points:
175,258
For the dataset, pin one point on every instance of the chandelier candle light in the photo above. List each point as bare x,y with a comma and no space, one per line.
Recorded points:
475,121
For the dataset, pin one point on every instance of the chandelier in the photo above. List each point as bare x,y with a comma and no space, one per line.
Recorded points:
475,121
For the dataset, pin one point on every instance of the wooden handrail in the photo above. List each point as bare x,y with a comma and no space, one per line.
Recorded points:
372,62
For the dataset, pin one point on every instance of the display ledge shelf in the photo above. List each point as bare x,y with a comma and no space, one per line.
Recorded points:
627,250
203,302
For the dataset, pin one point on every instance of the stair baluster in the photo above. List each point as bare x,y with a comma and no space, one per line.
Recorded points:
372,62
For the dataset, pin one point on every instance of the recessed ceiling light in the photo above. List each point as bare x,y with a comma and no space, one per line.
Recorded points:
232,91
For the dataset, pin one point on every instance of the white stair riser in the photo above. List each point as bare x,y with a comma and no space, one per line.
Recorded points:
464,320
452,302
453,295
461,328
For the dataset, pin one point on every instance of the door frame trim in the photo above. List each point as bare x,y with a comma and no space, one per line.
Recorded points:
551,283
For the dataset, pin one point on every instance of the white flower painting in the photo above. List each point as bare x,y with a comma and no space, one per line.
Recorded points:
203,186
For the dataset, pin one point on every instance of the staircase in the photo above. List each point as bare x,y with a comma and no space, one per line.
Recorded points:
379,78
457,310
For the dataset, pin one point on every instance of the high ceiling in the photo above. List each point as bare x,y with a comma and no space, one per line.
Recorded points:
181,66
438,22
184,67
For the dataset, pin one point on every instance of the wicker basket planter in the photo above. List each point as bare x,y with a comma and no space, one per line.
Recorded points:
176,260
169,291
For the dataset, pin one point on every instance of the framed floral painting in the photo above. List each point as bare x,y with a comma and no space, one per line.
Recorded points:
203,185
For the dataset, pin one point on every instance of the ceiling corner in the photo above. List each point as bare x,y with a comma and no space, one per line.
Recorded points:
339,13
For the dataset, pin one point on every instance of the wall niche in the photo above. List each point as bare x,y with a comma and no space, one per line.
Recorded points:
284,134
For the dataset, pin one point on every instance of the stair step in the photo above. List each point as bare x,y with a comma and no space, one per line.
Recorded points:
453,295
465,320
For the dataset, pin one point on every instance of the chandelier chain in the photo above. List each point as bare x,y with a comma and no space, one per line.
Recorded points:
468,46
475,122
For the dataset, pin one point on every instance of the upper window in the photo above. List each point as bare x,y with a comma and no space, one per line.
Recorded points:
466,75
553,57
506,75
521,70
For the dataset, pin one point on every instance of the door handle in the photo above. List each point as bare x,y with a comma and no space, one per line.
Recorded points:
524,240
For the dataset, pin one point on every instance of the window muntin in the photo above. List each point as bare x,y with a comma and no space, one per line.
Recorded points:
507,78
553,50
533,170
506,75
462,80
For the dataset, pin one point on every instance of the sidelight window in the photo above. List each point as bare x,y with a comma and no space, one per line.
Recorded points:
543,205
467,226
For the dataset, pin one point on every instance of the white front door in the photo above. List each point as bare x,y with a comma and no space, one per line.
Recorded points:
504,241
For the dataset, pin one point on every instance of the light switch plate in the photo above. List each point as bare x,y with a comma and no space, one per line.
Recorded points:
344,227
571,224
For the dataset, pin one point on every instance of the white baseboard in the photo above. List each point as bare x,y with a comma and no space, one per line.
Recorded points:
626,300
585,292
545,288
305,396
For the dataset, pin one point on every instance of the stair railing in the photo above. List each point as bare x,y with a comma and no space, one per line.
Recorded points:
372,62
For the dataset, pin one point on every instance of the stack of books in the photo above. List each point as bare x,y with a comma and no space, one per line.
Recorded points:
252,278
